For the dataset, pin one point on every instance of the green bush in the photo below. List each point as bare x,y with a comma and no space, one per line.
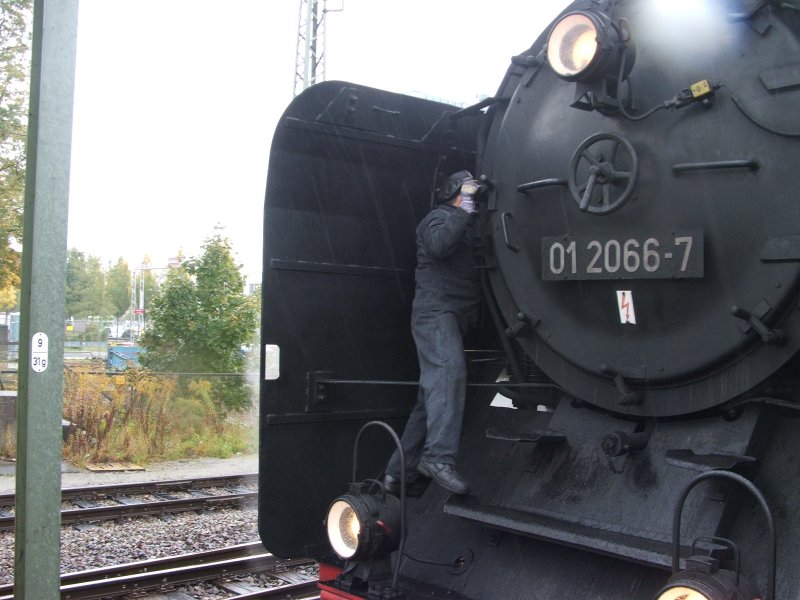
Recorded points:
142,418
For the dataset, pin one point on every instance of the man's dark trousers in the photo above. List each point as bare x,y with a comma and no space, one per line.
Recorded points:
439,411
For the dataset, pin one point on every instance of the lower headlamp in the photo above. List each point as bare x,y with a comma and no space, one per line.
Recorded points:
344,527
681,593
701,577
361,524
718,585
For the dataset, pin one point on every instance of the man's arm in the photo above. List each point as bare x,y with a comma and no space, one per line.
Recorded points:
443,230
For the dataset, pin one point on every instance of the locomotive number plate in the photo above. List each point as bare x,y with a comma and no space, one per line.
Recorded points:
675,255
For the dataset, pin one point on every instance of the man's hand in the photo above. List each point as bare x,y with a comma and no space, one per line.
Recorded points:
467,198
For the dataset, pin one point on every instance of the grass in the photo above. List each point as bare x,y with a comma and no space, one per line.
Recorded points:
141,418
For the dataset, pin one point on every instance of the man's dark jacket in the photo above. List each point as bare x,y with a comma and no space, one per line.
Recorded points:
447,275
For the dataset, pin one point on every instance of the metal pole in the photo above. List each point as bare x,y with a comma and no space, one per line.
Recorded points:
133,300
310,18
41,345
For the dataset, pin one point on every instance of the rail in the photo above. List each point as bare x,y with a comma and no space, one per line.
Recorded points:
126,506
211,566
147,487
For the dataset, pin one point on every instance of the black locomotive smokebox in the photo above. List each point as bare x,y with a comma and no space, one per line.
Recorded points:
656,259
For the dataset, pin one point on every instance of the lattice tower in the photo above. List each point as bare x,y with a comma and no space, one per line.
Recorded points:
309,64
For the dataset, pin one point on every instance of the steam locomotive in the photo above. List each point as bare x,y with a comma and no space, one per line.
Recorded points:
631,429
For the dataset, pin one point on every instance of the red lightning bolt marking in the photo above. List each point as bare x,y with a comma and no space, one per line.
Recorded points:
627,307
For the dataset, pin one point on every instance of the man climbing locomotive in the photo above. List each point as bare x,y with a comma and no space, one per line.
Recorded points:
445,305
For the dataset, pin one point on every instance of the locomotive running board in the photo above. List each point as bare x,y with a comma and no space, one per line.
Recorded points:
511,435
583,534
571,493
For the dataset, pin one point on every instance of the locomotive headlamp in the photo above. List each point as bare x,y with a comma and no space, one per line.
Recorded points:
343,528
366,525
701,578
585,45
363,525
698,585
679,592
572,45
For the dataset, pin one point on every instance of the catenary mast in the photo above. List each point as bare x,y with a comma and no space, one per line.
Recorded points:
309,62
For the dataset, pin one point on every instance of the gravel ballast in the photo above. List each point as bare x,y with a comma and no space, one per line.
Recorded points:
110,543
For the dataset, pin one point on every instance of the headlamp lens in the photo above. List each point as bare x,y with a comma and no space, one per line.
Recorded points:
682,593
343,529
572,45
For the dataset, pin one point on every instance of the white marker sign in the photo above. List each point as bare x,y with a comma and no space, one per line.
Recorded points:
625,303
272,362
39,354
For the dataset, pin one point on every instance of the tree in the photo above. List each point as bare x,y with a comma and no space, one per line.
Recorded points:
93,300
76,280
15,35
9,299
200,319
118,288
85,292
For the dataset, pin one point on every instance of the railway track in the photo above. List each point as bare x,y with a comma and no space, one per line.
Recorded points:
220,568
154,498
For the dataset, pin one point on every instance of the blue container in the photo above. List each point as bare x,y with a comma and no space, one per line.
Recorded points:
123,357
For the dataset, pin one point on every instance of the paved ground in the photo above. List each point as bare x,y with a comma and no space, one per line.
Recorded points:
178,469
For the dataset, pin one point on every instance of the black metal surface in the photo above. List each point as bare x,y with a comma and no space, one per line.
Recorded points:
507,565
756,493
689,459
542,183
573,494
716,165
684,354
574,502
512,435
347,186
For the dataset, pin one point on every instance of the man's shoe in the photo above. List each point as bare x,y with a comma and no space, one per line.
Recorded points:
445,475
415,485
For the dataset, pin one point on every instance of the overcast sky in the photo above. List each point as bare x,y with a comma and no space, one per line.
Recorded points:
176,102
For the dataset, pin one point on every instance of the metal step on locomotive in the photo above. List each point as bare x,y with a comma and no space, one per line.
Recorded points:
640,248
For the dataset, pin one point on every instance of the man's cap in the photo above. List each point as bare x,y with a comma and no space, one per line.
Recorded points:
453,185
